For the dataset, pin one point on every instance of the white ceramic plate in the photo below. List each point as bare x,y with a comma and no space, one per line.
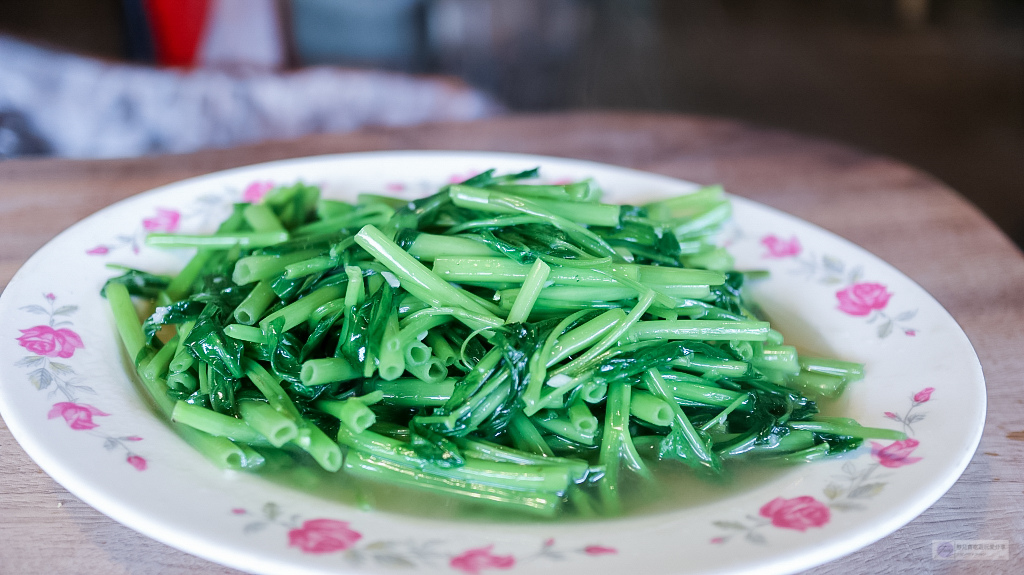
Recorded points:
68,399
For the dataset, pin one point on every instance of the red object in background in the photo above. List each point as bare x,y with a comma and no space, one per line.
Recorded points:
177,27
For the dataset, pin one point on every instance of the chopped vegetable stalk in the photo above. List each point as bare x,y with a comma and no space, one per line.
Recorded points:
430,336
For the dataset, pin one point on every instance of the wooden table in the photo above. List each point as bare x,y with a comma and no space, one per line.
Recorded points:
897,212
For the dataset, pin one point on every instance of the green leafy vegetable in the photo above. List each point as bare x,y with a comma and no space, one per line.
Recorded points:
504,341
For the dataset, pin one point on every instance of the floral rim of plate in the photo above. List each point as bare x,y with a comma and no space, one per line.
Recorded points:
65,402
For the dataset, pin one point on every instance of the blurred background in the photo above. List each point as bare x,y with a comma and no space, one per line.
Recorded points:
935,83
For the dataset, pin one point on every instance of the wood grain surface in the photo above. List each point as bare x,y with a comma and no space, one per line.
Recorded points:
897,212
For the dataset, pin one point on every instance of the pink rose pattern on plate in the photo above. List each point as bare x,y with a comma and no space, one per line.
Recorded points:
168,220
896,454
77,415
55,340
909,418
475,560
781,248
46,341
861,299
324,536
798,513
255,191
855,297
161,220
164,220
848,493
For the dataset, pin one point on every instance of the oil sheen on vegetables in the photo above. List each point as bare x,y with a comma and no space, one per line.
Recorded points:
674,487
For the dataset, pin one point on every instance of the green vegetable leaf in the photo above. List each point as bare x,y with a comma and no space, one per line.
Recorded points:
285,359
207,342
139,283
222,393
177,313
435,448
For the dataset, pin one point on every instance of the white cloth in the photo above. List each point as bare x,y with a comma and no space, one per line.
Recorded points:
87,108
243,33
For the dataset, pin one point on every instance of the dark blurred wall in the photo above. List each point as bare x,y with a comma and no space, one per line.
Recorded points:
92,27
936,83
941,88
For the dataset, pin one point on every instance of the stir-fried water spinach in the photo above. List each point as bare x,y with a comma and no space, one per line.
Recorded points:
514,343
